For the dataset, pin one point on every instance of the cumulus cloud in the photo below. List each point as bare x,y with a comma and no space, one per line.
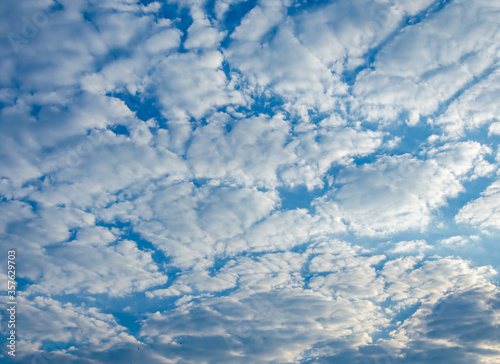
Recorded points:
482,212
258,320
58,330
393,194
398,193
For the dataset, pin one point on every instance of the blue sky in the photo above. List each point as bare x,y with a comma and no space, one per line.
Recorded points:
261,181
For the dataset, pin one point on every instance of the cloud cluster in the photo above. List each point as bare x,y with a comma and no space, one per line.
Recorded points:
252,181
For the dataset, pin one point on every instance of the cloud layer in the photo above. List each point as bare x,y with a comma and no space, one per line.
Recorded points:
238,181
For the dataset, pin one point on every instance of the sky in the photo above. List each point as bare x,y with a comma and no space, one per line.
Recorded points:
251,181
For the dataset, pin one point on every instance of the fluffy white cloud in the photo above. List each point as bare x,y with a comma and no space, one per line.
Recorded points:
285,66
459,240
317,290
201,34
249,154
432,280
58,330
192,84
483,212
474,108
398,193
393,194
428,63
244,331
413,246
268,152
460,158
65,253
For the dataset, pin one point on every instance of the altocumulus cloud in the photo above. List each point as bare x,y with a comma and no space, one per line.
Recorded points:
251,181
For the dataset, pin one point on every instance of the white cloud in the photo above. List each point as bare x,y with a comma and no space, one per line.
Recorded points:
260,151
462,326
473,109
286,68
428,63
393,194
64,327
460,158
201,34
258,320
483,212
459,240
400,193
96,267
250,154
222,6
432,280
163,41
406,247
119,29
193,84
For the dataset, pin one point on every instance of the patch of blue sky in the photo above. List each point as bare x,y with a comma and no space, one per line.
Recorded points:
145,105
174,11
130,320
218,263
401,316
119,129
210,9
267,105
146,2
472,190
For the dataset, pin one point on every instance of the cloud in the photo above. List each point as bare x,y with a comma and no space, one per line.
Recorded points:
251,181
459,240
406,247
58,330
261,151
474,108
258,319
393,194
286,68
482,212
426,64
462,326
400,193
426,284
201,34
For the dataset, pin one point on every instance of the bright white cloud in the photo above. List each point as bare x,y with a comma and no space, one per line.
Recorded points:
483,212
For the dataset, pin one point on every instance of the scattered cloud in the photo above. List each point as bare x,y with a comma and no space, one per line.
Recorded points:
238,181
